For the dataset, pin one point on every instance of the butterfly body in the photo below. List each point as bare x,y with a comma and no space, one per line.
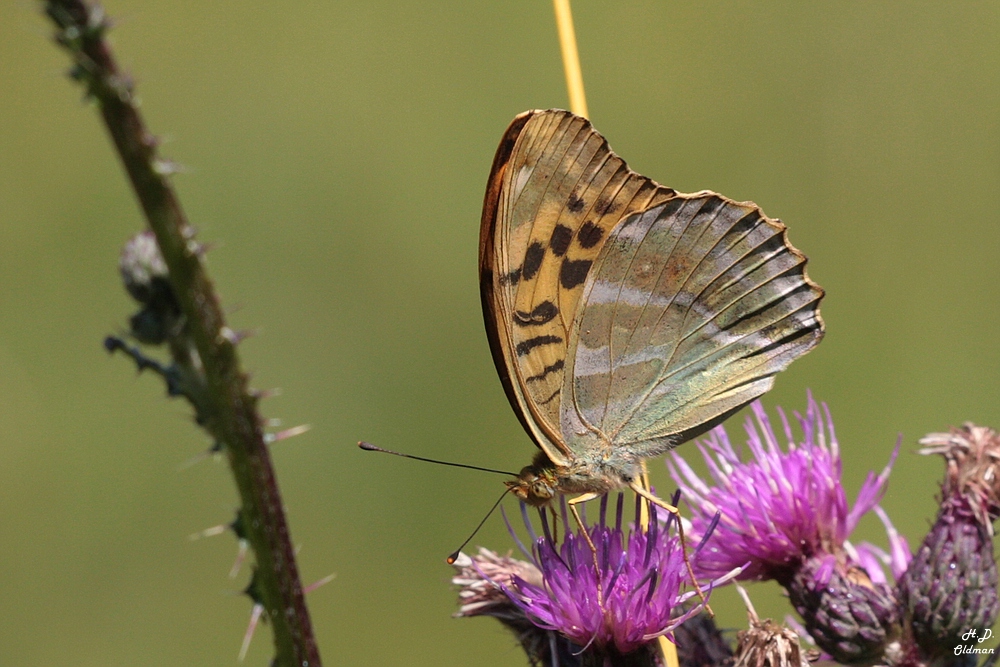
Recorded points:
537,484
625,318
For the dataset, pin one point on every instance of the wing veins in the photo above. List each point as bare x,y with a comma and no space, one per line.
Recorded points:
730,345
511,293
580,179
687,279
659,318
750,333
776,253
614,311
639,210
757,311
749,371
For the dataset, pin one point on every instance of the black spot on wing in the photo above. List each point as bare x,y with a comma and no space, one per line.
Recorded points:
552,368
604,206
507,146
574,204
589,234
512,278
549,399
573,272
542,313
561,237
526,346
532,260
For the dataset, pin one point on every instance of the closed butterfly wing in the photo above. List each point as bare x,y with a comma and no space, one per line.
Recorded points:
691,308
555,193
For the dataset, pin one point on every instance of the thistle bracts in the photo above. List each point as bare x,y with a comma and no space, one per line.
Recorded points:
849,616
949,592
766,643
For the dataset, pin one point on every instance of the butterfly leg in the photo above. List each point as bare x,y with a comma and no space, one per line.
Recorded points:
573,502
659,502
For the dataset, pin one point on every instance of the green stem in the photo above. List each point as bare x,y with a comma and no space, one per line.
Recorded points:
228,409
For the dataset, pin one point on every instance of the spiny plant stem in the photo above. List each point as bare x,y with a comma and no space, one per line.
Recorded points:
226,409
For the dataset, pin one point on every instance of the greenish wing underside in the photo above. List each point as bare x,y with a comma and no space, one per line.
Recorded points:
691,309
555,194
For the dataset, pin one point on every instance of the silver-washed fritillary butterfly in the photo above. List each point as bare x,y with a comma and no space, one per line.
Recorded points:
624,317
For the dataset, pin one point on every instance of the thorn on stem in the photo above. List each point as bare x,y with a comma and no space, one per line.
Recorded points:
255,614
265,393
241,556
271,438
165,167
209,532
322,582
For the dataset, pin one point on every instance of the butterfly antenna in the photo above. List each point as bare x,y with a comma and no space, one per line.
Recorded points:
369,447
454,554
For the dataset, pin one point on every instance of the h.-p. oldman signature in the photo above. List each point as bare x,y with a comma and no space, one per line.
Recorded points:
966,649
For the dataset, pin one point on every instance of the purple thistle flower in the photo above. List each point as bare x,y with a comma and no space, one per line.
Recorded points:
640,574
785,515
480,580
780,508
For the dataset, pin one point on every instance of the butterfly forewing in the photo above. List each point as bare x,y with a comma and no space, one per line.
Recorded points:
555,194
691,309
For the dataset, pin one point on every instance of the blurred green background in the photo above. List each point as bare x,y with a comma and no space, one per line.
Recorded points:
337,154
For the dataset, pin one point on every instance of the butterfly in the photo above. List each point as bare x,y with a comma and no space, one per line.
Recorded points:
625,318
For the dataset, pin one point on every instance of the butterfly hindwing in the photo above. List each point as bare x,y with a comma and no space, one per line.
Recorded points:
691,309
555,193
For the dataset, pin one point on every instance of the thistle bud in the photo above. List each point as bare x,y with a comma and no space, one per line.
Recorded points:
145,276
949,592
848,615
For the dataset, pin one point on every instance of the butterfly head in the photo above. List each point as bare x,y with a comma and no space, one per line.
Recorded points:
536,484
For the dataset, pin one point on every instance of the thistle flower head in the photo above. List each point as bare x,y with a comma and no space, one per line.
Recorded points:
950,588
852,618
781,507
972,454
786,514
631,596
480,580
